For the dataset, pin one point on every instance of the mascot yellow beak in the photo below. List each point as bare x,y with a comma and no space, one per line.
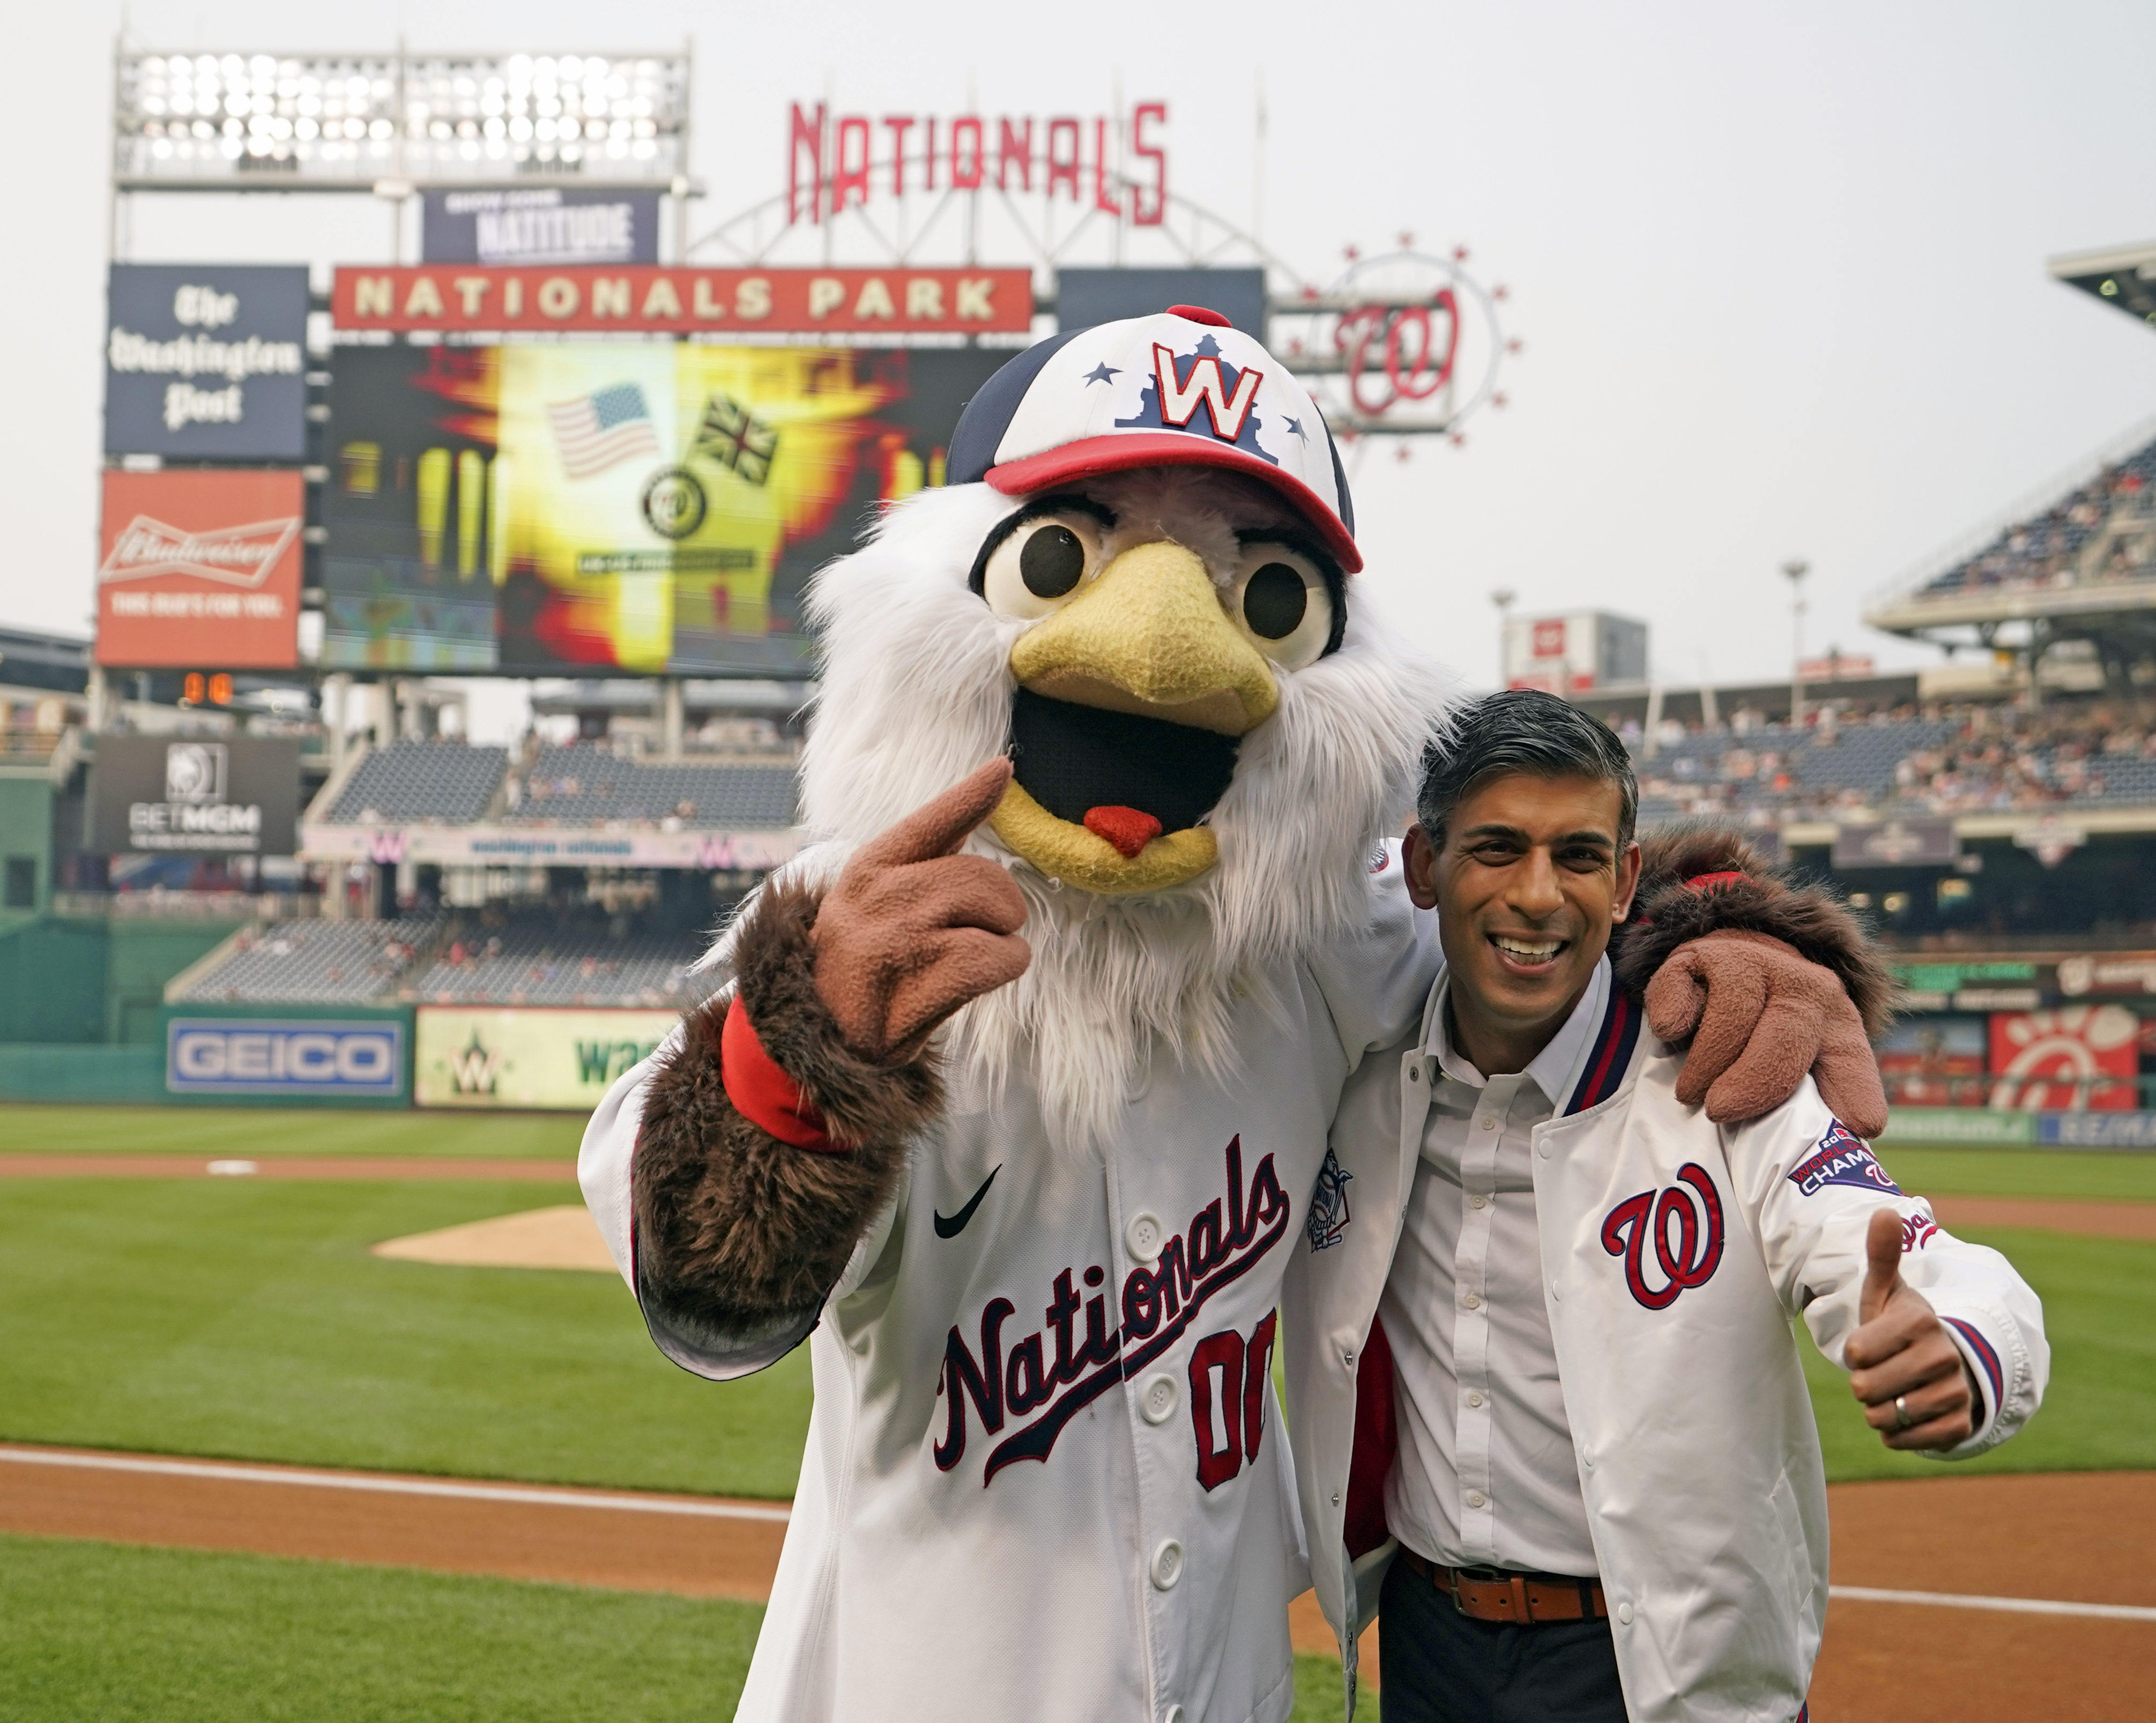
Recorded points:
1132,701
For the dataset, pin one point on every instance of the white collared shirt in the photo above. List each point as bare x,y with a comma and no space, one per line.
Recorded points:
1486,1475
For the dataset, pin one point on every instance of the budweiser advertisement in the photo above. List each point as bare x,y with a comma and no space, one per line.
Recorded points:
576,507
671,301
201,570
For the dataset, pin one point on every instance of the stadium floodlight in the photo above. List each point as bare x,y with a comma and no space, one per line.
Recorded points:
347,122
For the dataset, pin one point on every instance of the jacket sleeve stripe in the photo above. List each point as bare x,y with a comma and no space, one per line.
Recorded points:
1985,1357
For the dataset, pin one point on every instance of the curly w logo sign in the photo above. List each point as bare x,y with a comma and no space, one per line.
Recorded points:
1682,1225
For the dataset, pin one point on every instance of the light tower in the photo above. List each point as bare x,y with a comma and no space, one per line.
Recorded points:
1502,598
1796,568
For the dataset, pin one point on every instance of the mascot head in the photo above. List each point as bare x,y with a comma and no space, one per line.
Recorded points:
1139,582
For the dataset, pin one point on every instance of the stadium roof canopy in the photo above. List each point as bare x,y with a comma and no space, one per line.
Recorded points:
2123,276
2076,561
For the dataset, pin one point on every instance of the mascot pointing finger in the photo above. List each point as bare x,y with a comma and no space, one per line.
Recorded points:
1015,1105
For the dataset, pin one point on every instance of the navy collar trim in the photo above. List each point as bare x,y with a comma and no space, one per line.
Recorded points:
1610,1054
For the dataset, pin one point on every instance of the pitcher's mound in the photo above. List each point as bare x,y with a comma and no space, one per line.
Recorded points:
564,1237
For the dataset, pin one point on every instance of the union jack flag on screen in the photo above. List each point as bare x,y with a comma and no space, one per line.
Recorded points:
602,429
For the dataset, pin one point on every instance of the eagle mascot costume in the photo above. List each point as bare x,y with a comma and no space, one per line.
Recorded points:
1030,1197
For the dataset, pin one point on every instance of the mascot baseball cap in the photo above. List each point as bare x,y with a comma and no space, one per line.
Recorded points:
1183,388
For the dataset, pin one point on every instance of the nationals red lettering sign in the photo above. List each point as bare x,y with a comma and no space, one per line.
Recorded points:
668,301
201,570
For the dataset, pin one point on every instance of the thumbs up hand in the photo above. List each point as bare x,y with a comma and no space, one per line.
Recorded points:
1904,1367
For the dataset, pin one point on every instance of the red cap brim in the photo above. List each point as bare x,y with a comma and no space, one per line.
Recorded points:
1094,455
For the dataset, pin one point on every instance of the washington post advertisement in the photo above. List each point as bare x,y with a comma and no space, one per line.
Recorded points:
581,509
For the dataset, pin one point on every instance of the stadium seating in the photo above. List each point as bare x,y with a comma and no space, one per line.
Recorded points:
590,785
435,782
2047,549
538,963
315,962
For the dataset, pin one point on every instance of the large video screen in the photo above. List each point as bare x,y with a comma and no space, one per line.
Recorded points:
590,509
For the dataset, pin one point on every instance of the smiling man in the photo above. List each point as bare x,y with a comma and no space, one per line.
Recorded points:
1584,1464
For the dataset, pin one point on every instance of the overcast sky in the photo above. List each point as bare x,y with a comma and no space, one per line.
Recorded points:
1779,272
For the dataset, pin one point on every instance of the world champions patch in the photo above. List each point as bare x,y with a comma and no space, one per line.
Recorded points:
1841,1157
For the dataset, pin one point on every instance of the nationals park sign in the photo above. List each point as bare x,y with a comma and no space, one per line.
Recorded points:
685,301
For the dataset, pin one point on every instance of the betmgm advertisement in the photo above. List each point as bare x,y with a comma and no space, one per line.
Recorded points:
644,508
231,795
558,1060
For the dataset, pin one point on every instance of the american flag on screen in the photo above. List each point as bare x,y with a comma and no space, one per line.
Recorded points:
602,429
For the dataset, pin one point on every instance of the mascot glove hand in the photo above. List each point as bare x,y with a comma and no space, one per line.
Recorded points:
1759,1016
913,929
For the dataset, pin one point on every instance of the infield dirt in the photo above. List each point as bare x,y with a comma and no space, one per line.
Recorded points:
2085,1537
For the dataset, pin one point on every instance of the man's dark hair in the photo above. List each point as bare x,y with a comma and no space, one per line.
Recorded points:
1521,730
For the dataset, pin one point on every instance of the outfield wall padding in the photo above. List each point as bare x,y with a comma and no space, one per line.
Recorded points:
47,1073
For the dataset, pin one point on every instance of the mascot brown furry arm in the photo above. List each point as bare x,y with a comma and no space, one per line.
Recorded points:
1787,983
748,1203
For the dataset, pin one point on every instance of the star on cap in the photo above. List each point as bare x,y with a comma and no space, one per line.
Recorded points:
1295,430
1102,373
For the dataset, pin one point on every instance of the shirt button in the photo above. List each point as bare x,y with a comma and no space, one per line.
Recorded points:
1489,1123
1543,1149
1624,1613
1336,1498
1478,1201
1156,1404
1168,1565
1145,1235
1474,1499
1474,1300
1555,1292
1173,1713
1474,1398
1414,1072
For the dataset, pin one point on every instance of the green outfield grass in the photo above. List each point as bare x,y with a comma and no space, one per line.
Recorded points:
130,1635
127,1635
248,1133
247,1319
228,1316
2071,1173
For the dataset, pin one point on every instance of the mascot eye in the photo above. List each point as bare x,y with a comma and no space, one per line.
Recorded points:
1282,597
1051,561
1039,566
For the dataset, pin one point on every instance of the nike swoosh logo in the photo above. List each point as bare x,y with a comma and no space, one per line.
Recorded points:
950,1226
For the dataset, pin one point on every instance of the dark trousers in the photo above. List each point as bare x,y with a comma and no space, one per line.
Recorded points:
1439,1666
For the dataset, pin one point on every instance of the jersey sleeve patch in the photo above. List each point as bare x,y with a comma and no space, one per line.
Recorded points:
1328,1204
1841,1157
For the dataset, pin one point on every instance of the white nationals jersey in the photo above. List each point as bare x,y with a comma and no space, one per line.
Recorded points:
1046,1476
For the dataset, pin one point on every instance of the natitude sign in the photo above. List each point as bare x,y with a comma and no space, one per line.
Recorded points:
201,570
685,301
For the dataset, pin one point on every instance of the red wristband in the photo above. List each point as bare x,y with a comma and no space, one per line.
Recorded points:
761,1093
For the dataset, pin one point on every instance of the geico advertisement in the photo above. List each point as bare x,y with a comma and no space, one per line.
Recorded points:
523,1057
221,1055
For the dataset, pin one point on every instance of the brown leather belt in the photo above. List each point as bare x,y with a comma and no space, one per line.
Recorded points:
1488,1594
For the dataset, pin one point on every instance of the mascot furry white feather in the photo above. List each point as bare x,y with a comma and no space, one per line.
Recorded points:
1034,1195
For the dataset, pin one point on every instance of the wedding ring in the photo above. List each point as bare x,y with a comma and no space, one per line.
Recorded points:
1901,1418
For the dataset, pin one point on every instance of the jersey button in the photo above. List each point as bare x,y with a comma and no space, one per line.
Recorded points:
1168,1565
1624,1613
1145,1235
1173,1713
1156,1404
1473,1300
1478,1201
1474,1398
1475,1499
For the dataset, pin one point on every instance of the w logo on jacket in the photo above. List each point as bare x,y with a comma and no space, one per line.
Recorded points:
1693,1207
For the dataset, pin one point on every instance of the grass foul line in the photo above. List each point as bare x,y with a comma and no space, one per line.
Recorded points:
397,1486
2014,1605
